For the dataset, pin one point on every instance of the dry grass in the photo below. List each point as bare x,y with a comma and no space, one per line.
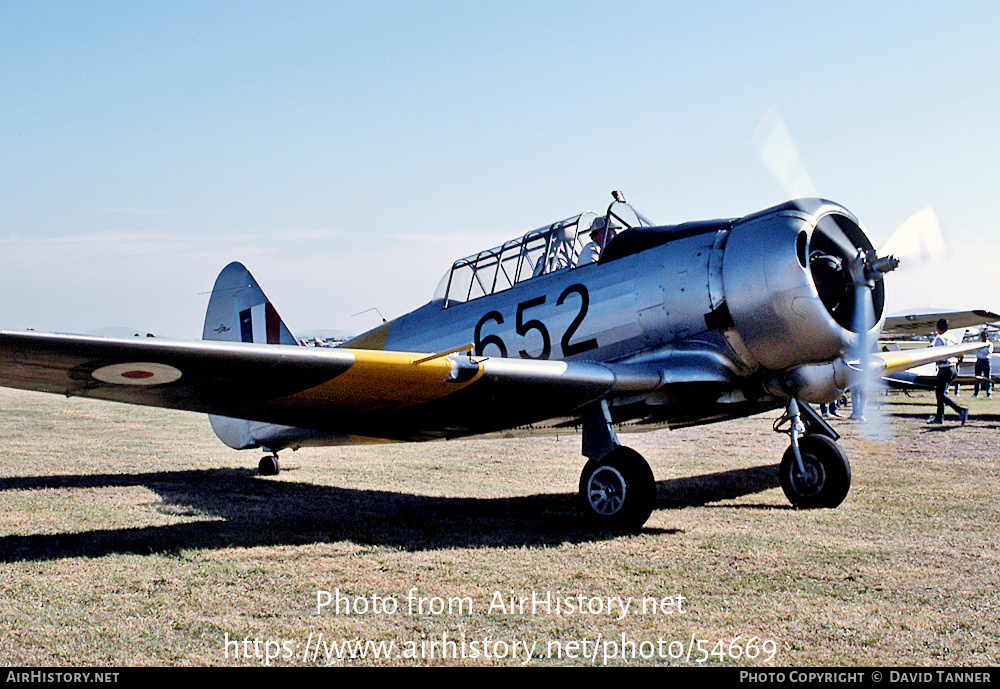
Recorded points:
130,536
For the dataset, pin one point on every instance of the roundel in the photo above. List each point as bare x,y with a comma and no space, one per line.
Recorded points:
140,373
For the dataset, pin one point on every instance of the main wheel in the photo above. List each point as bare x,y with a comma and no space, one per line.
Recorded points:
827,476
617,491
268,465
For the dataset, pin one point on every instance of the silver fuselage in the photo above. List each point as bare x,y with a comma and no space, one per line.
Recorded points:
736,295
735,316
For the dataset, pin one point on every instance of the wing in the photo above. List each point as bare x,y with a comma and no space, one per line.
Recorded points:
915,324
391,395
890,363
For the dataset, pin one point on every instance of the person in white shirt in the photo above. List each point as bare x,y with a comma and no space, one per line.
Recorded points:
600,235
945,374
983,357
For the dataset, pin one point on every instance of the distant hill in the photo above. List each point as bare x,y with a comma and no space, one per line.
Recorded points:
116,332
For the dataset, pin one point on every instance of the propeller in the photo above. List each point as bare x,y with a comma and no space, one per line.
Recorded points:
916,242
848,275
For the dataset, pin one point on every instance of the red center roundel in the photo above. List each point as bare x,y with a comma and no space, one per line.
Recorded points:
137,373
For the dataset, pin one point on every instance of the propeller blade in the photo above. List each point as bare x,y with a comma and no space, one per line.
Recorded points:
869,385
829,229
918,239
863,317
774,145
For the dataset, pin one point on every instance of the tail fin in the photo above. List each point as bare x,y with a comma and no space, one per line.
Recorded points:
238,311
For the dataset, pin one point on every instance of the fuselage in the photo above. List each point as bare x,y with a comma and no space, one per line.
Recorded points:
600,311
732,317
736,296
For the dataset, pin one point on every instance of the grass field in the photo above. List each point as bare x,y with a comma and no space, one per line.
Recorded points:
131,536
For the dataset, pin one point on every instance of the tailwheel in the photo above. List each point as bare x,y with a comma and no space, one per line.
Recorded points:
268,465
825,478
617,491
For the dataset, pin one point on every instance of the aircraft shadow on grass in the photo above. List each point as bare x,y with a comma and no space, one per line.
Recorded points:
243,511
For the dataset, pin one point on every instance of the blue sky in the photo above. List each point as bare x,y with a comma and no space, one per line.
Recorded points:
348,152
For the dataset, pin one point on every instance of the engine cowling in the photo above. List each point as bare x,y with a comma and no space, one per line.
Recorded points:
791,296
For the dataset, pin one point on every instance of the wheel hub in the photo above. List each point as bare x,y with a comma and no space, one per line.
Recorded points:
606,491
810,482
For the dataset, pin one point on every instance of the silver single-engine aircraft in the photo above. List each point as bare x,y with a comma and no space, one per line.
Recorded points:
599,321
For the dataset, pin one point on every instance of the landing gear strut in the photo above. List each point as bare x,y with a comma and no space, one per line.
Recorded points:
617,489
268,465
814,471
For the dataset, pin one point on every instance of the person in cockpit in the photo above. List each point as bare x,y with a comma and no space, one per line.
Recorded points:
600,235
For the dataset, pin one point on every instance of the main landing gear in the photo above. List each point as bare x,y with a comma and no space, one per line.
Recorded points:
617,489
814,471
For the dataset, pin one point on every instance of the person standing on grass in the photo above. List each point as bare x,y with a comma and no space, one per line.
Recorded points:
946,372
983,357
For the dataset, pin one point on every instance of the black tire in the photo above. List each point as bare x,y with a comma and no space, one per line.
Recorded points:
268,466
618,490
828,473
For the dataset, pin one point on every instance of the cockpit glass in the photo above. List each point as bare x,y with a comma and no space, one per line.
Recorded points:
564,245
626,216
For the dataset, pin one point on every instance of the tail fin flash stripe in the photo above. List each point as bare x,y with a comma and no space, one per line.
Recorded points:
246,325
260,324
272,322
